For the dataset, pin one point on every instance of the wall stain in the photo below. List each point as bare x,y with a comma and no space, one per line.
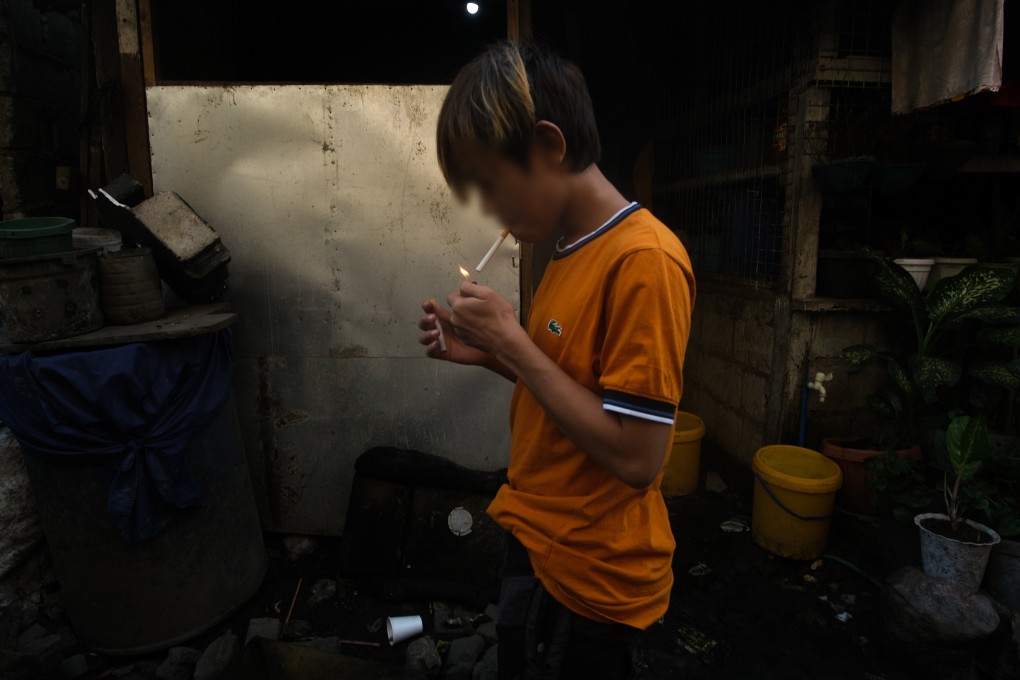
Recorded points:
349,352
294,417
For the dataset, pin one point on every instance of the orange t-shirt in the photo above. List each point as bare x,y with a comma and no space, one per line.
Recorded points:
614,312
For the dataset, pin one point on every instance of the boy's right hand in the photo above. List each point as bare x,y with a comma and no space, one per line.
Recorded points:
456,351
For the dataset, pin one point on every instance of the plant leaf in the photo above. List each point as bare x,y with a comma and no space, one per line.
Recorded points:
898,372
859,356
894,285
1003,335
999,315
1000,374
887,403
972,288
932,372
968,445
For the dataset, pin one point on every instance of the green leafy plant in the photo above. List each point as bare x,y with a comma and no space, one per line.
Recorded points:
899,485
948,336
995,492
966,449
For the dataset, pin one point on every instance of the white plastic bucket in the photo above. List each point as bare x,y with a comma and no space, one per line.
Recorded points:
87,238
918,268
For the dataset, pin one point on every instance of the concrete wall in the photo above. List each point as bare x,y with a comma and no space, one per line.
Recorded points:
339,224
729,366
816,341
39,103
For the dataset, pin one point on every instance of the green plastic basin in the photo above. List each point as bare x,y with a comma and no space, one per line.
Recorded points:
35,236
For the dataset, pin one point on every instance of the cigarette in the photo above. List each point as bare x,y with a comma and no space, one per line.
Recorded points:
492,250
442,340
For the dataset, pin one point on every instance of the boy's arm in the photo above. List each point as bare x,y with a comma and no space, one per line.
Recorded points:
629,448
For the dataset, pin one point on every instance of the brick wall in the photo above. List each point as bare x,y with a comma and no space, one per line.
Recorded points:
729,373
728,369
39,107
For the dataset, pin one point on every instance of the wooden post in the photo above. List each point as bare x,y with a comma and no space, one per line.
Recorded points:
518,27
145,35
136,123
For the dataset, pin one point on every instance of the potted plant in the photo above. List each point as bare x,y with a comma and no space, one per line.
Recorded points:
953,547
947,337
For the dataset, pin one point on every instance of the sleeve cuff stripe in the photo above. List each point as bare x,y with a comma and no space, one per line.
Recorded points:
653,407
637,414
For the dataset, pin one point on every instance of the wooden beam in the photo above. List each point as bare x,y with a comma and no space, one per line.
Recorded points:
518,19
136,123
148,49
518,27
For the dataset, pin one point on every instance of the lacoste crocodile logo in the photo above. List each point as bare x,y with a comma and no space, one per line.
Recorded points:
554,327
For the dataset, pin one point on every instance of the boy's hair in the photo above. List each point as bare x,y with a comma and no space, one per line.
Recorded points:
497,99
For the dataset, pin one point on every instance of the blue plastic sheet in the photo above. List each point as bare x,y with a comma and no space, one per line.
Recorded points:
135,407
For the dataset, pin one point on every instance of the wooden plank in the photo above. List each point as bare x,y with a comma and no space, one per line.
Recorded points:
518,27
136,124
84,125
179,323
109,98
148,47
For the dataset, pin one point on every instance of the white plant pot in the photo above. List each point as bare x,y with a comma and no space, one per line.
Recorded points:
919,268
946,558
946,267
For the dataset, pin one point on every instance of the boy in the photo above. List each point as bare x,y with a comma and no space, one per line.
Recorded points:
597,372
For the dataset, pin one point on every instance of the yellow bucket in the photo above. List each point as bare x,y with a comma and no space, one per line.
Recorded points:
684,466
794,499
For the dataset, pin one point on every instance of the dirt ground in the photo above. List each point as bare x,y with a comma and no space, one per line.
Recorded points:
736,611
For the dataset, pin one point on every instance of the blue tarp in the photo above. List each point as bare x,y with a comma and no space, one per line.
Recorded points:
135,407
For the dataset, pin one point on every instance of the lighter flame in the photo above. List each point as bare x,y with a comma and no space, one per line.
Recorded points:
464,272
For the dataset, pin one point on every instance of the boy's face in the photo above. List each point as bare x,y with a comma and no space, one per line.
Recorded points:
528,201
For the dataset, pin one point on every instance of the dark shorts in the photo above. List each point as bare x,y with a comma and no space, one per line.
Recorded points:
540,639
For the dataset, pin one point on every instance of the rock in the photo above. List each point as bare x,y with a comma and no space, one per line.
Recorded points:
73,667
30,635
323,590
422,659
487,668
487,631
22,534
920,608
50,644
299,546
462,657
179,664
297,629
267,627
451,622
217,656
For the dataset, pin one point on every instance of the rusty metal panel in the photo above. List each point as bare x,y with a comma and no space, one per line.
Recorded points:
339,224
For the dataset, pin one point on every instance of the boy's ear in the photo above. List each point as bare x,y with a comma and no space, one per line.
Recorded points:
550,142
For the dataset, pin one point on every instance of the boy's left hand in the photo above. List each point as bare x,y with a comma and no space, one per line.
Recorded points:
482,318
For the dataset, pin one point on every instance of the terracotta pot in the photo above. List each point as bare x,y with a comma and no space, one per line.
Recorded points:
856,493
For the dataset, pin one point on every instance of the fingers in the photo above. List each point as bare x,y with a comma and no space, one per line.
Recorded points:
472,289
429,337
428,322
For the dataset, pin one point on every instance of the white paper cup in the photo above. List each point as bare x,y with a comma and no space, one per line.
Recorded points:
400,628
